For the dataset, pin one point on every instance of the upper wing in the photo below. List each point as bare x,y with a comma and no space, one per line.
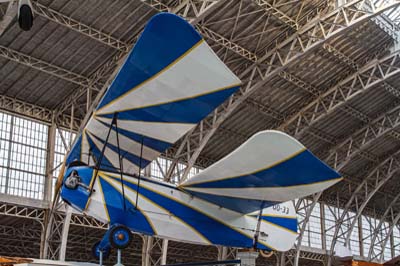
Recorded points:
170,81
268,168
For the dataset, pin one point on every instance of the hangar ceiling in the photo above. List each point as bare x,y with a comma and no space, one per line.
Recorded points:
326,72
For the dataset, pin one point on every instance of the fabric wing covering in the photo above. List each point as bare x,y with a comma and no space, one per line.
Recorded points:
269,168
169,82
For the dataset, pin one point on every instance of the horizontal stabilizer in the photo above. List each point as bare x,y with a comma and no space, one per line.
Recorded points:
269,168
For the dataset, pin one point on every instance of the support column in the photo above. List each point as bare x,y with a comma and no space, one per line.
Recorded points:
146,249
360,236
64,235
164,252
48,188
222,253
51,142
322,221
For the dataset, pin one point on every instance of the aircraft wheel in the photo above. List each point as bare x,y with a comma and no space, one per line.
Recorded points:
120,237
25,18
96,251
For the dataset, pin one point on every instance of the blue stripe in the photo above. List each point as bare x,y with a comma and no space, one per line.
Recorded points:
234,204
215,231
125,154
75,153
190,110
165,38
289,223
132,217
152,143
302,169
105,163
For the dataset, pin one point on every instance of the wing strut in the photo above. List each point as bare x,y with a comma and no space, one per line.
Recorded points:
259,219
120,158
98,164
140,168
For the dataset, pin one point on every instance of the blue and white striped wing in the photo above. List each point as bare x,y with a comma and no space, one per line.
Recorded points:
170,81
269,168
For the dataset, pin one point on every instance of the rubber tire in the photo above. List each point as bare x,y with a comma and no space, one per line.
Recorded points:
116,245
25,18
106,253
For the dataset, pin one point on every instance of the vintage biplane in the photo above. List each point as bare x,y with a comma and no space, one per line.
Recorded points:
169,82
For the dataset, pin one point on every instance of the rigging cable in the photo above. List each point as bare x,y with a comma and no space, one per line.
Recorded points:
98,164
140,168
120,159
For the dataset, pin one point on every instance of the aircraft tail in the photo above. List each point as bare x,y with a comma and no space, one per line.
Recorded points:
269,168
278,227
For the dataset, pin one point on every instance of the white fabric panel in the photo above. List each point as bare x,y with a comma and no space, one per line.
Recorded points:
276,234
197,73
96,207
237,221
163,222
168,132
101,131
268,193
84,148
112,156
262,150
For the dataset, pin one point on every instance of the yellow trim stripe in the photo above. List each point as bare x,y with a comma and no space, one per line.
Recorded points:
98,117
107,148
106,179
172,101
153,77
254,172
146,136
279,216
200,211
104,200
237,197
138,143
90,185
155,204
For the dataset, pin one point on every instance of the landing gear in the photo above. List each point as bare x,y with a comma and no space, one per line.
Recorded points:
120,237
100,253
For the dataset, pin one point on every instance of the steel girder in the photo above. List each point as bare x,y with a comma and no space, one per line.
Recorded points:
75,25
154,251
272,63
341,154
55,233
36,112
45,67
225,42
102,72
372,74
385,226
361,196
8,17
345,151
304,209
22,211
276,12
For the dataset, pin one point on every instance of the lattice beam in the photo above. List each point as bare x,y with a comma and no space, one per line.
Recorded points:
362,195
45,67
374,73
80,27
